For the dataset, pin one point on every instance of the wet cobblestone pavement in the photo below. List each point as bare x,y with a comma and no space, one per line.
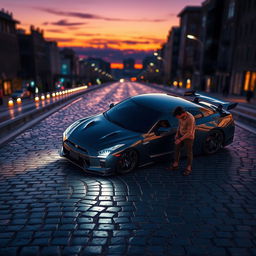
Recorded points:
48,206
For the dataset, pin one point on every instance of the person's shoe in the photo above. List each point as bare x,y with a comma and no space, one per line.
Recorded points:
187,172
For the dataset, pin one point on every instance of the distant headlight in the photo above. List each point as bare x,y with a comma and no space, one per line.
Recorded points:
106,151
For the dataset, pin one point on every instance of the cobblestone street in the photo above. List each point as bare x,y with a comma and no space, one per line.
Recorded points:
49,206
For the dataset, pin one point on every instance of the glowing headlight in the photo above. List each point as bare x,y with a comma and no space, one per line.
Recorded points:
106,151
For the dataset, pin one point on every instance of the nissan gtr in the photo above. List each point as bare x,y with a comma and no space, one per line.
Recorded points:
141,129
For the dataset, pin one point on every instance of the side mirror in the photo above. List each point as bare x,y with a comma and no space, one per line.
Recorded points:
111,105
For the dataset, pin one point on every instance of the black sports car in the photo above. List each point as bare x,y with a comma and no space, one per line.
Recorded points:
140,129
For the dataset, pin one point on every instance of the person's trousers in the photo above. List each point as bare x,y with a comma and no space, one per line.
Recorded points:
188,143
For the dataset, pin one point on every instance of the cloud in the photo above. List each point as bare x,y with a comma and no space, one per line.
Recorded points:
87,34
57,39
55,30
110,54
64,22
90,16
151,39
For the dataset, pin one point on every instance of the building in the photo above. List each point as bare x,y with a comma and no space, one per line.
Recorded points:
170,56
190,51
243,76
9,54
39,60
53,60
69,68
212,20
95,70
147,60
226,46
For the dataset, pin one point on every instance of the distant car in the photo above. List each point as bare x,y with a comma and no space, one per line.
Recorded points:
23,93
140,129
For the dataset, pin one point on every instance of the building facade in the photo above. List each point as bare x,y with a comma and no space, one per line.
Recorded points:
212,21
39,60
69,68
171,56
226,46
243,76
190,51
9,54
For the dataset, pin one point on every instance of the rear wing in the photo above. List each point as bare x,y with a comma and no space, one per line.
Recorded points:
219,103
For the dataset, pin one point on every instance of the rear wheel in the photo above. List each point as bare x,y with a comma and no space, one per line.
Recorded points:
213,142
127,161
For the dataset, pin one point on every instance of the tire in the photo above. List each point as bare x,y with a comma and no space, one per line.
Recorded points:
127,161
213,142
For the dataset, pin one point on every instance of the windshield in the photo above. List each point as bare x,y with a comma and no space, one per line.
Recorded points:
132,116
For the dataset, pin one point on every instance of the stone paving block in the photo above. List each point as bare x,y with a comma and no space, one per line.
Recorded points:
29,251
98,241
50,251
92,250
71,250
79,241
10,251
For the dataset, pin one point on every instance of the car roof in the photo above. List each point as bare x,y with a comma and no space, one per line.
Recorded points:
163,102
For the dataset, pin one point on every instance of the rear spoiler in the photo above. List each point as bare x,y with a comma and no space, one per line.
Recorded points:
219,103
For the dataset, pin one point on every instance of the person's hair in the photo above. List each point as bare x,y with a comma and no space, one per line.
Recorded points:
178,111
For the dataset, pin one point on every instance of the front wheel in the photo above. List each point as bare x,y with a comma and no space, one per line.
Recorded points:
213,142
127,161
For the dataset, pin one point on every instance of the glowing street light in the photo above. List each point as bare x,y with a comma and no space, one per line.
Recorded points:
19,100
10,103
191,37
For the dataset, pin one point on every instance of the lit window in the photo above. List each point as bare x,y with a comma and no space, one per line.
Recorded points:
231,9
247,80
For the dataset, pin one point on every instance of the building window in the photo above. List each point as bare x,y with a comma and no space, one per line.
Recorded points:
231,9
7,87
249,81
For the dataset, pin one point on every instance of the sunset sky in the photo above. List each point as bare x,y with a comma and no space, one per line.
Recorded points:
109,29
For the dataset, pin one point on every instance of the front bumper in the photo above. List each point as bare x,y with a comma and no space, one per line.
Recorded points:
90,164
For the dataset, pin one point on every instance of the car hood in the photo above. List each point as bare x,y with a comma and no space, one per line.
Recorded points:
98,133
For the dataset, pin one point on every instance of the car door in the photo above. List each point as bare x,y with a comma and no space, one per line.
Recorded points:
159,141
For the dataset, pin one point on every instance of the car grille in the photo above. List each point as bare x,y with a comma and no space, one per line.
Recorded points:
76,153
75,146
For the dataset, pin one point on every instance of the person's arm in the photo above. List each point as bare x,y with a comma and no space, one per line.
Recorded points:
177,132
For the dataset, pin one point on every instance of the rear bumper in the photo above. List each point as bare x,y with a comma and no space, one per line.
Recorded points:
93,165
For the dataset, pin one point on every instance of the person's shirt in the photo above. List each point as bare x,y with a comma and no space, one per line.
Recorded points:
187,127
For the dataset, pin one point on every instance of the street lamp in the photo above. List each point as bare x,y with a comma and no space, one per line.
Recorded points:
192,37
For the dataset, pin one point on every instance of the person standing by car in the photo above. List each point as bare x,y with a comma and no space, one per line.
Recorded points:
185,136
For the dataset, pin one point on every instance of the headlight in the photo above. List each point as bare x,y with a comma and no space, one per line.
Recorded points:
106,151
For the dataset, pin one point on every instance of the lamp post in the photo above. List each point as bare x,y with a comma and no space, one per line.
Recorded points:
192,37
